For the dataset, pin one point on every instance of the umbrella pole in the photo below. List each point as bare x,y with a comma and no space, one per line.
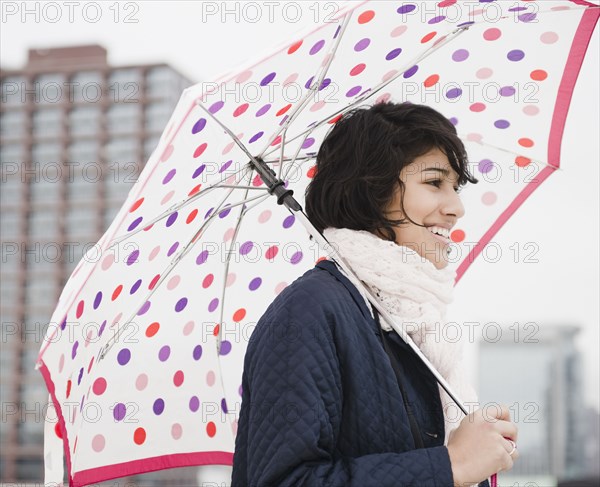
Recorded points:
285,197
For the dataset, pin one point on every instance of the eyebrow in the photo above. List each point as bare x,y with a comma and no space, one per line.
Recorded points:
445,172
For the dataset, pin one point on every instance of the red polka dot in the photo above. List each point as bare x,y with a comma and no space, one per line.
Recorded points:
492,34
216,330
276,141
117,291
200,149
257,181
90,365
153,282
356,70
271,252
139,436
311,172
136,205
283,110
446,3
178,378
431,80
239,315
99,386
68,388
194,190
525,142
428,37
477,107
57,430
208,280
211,429
457,236
241,109
152,329
294,47
79,309
335,119
366,16
522,161
539,75
191,216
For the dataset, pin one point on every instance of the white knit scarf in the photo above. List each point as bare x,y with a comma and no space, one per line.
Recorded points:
416,294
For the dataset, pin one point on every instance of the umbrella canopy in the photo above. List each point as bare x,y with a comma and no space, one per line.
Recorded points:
143,359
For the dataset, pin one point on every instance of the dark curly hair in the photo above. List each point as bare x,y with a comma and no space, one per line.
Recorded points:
359,163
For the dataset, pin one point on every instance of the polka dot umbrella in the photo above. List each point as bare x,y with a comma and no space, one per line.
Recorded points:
143,357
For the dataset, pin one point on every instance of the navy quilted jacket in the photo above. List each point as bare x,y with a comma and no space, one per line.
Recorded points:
321,405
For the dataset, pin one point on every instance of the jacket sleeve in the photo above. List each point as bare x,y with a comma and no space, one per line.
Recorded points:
291,413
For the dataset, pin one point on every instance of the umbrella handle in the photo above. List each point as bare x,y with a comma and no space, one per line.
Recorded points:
494,480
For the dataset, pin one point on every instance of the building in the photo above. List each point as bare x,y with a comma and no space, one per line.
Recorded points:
74,135
536,371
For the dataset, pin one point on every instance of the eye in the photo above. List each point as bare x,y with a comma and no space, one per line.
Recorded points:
435,182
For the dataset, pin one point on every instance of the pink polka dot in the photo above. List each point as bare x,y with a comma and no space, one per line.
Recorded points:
154,253
167,153
264,216
290,79
173,282
398,31
167,197
473,137
383,98
98,443
531,110
210,378
549,37
230,279
141,382
489,198
492,34
99,386
280,287
484,73
176,431
317,106
228,148
61,363
228,235
188,328
234,427
389,75
108,261
244,76
117,319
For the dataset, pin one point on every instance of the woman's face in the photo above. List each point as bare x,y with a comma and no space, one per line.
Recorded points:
430,199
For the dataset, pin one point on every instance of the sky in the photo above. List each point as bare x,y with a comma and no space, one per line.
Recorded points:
204,39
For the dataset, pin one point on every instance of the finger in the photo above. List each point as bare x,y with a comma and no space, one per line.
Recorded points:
507,429
510,446
496,412
504,413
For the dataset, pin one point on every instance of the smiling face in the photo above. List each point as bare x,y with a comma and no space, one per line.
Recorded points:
430,200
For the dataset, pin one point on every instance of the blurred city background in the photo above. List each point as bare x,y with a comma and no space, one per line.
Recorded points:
75,132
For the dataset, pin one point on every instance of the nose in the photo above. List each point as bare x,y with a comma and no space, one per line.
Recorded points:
452,204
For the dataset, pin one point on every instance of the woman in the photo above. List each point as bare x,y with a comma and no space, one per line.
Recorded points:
331,394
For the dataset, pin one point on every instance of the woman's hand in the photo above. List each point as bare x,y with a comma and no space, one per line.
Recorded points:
480,446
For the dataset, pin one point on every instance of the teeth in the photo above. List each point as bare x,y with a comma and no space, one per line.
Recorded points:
440,231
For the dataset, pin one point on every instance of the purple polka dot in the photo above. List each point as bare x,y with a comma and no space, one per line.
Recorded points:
337,31
309,82
97,299
194,404
133,257
123,356
353,91
74,349
172,249
199,171
144,308
317,47
263,110
453,120
136,286
255,137
135,223
240,390
101,330
80,376
516,9
246,247
181,304
460,55
267,79
528,17
208,213
362,44
158,407
197,353
464,24
199,125
486,1
308,143
224,213
224,406
255,284
81,404
201,259
485,166
393,54
502,124
63,325
411,71
164,353
436,20
297,257
213,304
289,221
507,91
119,411
515,55
404,9
453,93
225,166
225,347
169,176
172,218
215,107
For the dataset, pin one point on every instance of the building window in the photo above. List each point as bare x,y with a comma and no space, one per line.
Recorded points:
82,152
150,145
46,189
81,223
43,225
12,186
13,88
123,118
10,223
84,120
124,85
40,291
47,122
87,87
12,124
157,116
11,153
51,89
162,82
121,149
